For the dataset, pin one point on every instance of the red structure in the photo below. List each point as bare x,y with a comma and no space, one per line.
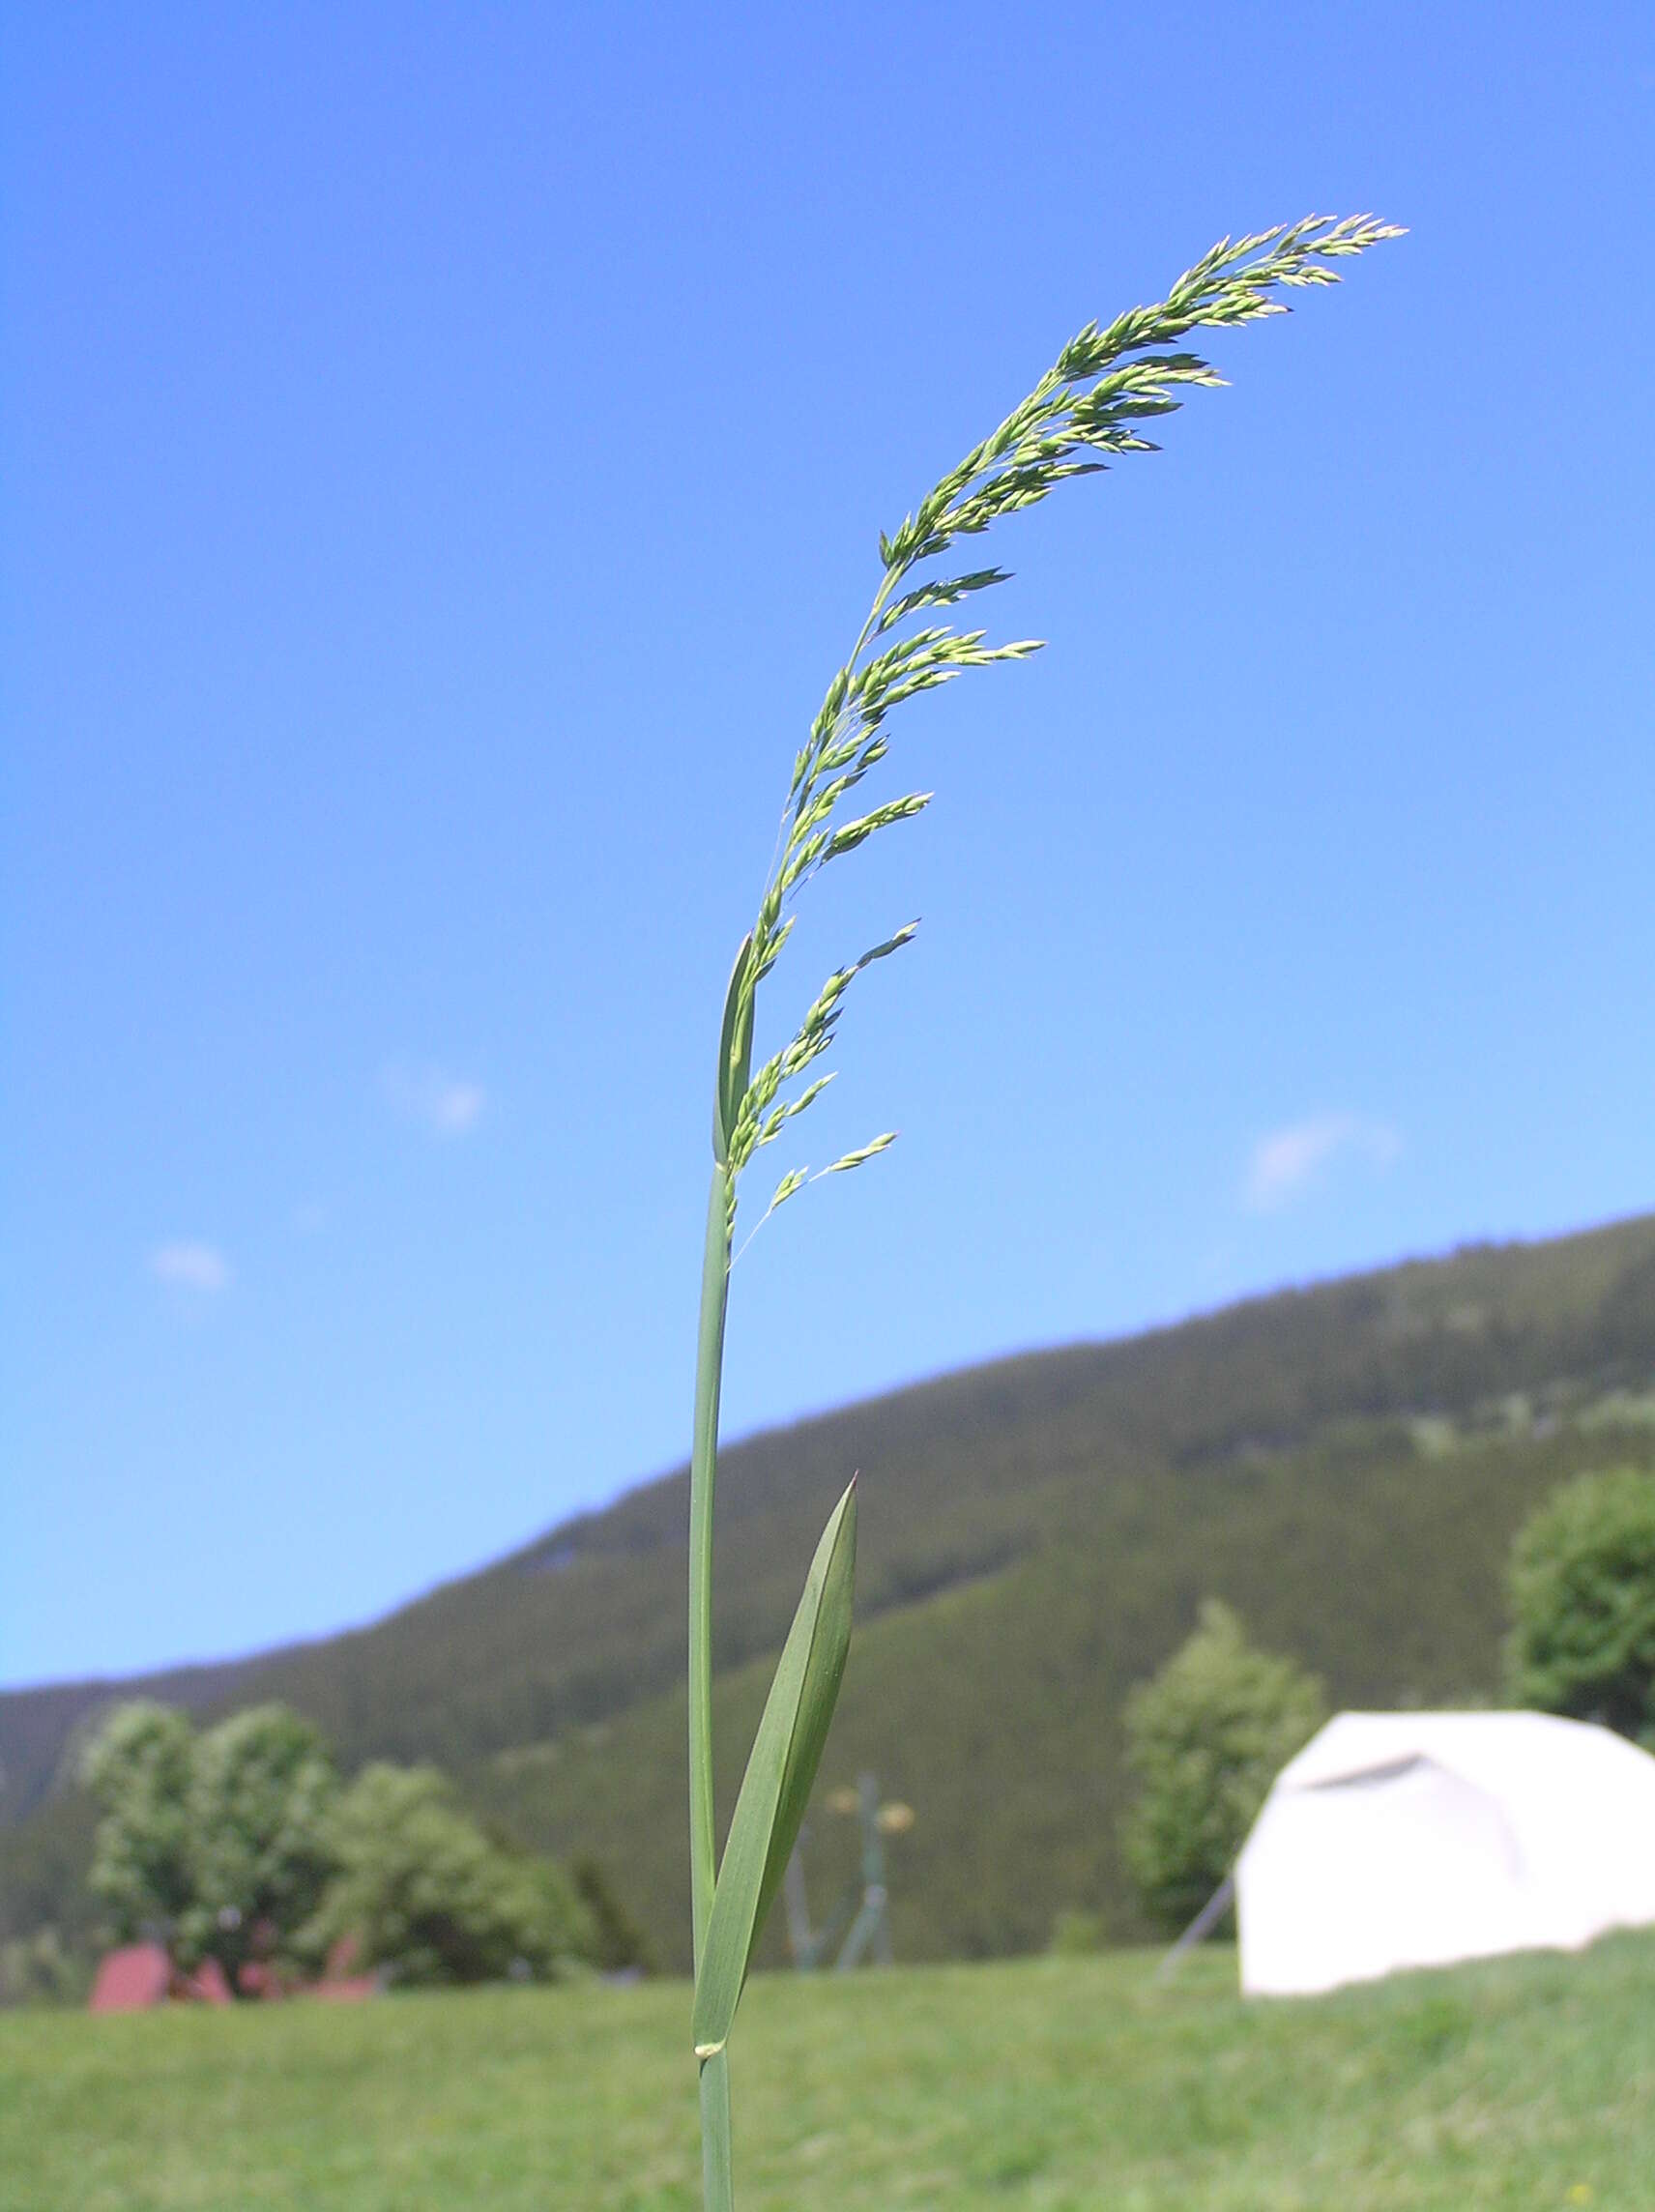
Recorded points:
206,1986
141,1976
338,1985
132,1980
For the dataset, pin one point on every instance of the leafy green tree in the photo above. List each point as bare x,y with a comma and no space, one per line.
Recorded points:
1205,1740
262,1789
1583,1603
424,1890
139,1769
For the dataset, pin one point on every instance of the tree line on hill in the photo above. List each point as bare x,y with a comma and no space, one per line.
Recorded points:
241,1843
1345,1466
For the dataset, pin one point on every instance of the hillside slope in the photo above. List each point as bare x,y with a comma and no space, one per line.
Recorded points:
1346,1464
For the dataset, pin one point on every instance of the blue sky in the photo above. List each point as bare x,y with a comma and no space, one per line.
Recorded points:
446,448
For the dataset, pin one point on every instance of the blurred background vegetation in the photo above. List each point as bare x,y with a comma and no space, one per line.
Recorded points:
1345,1467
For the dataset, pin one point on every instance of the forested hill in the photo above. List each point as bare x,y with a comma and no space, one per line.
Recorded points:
1345,1464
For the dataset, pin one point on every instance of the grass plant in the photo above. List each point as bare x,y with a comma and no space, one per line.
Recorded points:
1089,409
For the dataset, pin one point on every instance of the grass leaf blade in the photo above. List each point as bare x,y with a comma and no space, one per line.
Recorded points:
735,1052
781,1770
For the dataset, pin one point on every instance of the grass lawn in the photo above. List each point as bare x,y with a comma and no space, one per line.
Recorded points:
1050,2084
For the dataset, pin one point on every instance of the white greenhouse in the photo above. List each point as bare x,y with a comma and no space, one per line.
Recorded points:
1420,1838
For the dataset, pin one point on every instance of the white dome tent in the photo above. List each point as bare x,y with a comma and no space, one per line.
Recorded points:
1419,1839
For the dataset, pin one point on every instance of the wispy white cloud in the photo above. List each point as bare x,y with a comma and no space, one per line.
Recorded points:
1292,1161
190,1265
448,1105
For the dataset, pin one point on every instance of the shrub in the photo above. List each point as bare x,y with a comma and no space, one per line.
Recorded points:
1205,1739
422,1890
261,1790
1583,1603
37,1969
138,1768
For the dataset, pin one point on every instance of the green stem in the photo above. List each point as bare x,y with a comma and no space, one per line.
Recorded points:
702,1468
716,2180
717,2187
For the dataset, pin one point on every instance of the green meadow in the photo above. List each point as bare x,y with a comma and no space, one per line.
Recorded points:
1051,2083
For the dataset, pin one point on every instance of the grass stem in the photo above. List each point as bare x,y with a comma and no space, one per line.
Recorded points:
717,2165
702,1470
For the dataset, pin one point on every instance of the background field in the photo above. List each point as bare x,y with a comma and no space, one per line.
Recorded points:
1050,2084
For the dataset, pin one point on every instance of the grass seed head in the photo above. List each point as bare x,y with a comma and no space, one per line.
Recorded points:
1083,413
